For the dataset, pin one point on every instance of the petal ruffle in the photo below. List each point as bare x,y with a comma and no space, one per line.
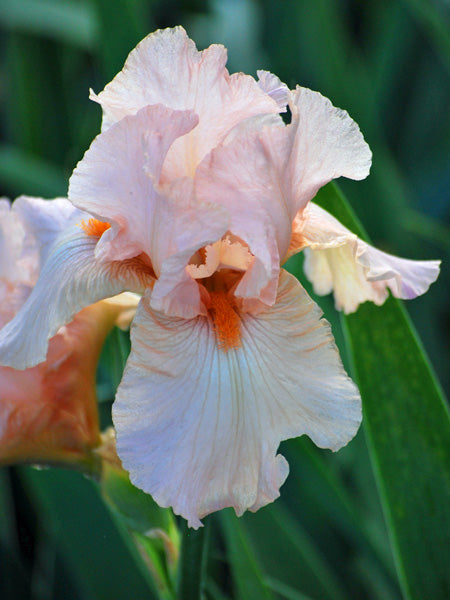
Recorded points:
166,68
71,279
337,260
199,428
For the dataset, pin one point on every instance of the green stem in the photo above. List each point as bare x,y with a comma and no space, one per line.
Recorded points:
192,562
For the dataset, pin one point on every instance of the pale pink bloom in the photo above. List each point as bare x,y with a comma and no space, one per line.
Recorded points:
337,261
194,185
48,413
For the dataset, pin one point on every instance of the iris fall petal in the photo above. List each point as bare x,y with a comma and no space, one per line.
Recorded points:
199,428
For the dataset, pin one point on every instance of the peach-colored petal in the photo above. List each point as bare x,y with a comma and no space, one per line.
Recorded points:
71,279
240,178
166,68
337,260
198,427
325,144
48,413
115,181
265,178
182,225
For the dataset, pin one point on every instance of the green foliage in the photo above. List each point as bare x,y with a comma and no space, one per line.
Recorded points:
408,428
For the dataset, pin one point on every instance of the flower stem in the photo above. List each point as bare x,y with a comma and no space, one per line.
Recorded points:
192,562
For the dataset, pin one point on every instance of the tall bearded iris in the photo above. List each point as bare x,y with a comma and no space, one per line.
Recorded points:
194,193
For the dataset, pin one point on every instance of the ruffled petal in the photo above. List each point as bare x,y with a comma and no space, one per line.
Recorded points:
118,181
199,427
265,178
337,260
115,181
325,144
166,68
71,279
183,226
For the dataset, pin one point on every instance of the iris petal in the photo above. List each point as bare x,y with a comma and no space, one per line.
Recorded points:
71,279
198,427
337,260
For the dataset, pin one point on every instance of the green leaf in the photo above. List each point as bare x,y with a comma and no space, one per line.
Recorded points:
13,576
192,562
434,19
138,510
408,429
288,553
247,573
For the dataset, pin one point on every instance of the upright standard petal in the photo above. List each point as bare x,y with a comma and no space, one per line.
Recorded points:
166,68
325,144
239,178
116,179
184,226
337,261
198,426
71,279
266,177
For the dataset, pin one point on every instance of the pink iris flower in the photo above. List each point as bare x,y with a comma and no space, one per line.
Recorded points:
196,192
48,413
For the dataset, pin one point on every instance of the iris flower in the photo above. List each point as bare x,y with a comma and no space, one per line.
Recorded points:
195,192
48,413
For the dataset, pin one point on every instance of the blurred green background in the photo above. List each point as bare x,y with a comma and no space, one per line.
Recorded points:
387,63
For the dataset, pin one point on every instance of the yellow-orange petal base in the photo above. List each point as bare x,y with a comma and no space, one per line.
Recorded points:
227,323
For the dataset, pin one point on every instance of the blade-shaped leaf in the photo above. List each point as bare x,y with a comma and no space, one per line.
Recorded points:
247,573
408,429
